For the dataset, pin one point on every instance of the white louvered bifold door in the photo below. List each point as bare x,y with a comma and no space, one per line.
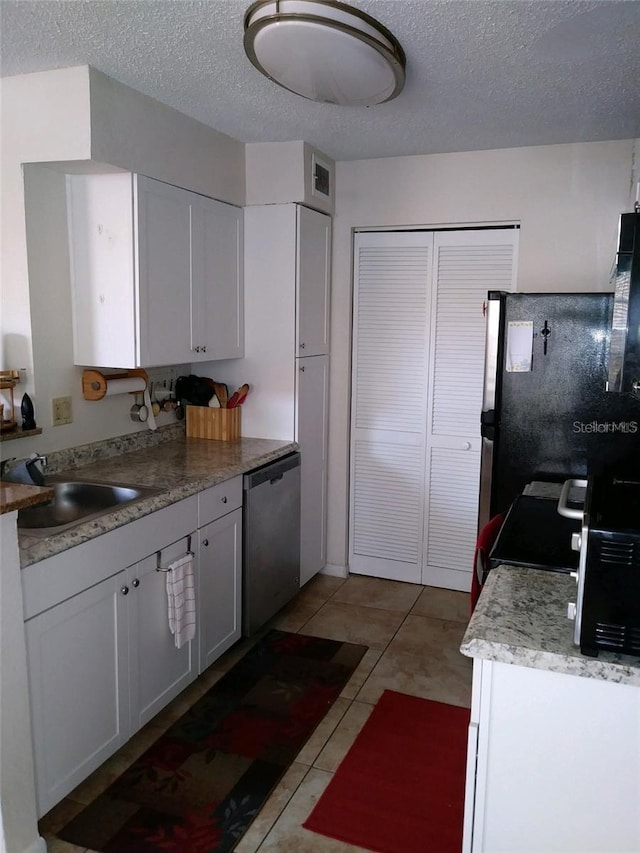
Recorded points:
389,399
467,264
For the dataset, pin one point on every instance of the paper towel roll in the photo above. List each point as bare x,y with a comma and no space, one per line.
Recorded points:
125,386
147,401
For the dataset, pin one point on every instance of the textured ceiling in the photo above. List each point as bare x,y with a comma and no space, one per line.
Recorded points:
480,74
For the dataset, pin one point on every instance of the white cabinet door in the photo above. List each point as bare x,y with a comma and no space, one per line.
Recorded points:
220,587
311,434
218,278
158,671
164,269
466,264
78,683
313,275
103,270
388,411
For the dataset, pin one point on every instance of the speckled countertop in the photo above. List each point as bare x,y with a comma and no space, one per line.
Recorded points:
16,496
177,469
520,618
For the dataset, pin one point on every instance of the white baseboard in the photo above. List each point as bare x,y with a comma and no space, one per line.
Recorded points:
335,571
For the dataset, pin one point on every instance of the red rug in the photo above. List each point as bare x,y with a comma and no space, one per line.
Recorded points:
400,788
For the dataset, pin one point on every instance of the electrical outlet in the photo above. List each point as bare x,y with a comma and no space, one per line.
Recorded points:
61,411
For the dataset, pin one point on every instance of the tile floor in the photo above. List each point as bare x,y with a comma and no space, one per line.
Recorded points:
413,634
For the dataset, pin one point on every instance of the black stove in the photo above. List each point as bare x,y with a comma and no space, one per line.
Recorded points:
534,535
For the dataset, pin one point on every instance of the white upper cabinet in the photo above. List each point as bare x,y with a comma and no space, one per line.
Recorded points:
219,264
313,265
156,273
162,242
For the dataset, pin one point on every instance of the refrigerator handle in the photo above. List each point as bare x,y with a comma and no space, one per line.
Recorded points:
493,310
491,346
488,424
486,467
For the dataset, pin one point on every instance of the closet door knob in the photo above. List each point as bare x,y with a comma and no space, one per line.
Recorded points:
205,542
135,582
125,590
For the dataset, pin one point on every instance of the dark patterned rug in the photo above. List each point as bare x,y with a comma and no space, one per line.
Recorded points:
197,789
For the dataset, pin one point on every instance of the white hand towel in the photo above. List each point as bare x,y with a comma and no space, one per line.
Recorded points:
181,600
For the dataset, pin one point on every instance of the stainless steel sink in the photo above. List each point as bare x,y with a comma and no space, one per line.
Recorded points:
76,501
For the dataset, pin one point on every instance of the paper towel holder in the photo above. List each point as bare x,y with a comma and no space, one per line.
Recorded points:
95,383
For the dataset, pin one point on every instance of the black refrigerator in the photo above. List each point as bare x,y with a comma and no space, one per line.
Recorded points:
546,412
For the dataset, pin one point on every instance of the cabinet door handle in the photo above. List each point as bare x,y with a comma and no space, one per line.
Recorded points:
204,349
302,369
224,499
135,582
124,590
196,349
205,542
302,346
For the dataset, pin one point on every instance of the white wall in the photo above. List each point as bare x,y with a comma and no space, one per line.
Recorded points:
281,172
567,199
139,134
44,117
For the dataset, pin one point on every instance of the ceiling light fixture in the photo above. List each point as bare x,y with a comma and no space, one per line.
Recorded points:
325,51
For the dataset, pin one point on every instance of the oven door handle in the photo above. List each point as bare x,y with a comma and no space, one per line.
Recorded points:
563,509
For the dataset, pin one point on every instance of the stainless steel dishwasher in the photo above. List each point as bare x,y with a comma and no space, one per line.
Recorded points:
271,540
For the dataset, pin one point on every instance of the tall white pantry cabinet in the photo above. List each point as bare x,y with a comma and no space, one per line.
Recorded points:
287,289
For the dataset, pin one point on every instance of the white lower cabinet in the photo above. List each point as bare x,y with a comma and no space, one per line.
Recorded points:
101,665
77,656
553,763
219,597
312,426
102,661
158,671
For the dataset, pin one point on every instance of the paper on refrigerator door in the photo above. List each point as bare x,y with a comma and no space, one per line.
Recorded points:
519,346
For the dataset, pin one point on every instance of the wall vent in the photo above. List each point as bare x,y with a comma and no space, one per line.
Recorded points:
320,178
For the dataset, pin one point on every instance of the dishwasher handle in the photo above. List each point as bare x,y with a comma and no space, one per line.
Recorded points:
272,472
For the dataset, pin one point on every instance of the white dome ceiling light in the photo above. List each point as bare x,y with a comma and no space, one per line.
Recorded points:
325,51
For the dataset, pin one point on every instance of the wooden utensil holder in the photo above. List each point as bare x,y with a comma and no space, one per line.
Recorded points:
216,424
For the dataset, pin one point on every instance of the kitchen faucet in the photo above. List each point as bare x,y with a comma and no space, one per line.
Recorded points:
28,471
